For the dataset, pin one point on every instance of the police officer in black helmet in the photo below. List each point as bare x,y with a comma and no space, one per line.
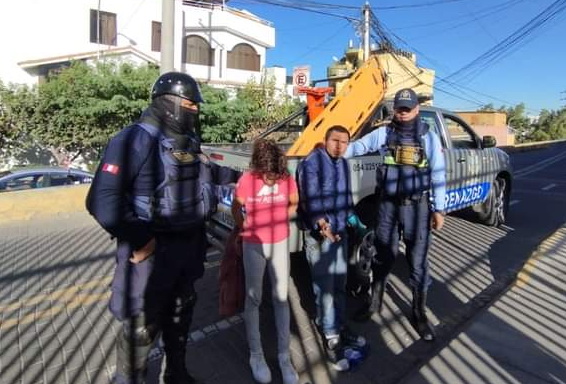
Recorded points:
153,191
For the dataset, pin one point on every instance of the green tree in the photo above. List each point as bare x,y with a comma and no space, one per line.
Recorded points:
241,117
80,108
17,103
551,125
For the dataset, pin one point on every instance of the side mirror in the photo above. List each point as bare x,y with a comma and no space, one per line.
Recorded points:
489,141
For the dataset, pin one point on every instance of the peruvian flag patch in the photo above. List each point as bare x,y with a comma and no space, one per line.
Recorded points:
111,168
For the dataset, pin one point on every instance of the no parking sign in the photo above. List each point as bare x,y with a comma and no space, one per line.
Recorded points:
301,77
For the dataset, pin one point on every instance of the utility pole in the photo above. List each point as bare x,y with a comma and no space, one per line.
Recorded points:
98,31
366,30
167,35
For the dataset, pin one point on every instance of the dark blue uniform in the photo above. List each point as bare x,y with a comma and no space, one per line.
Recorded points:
146,189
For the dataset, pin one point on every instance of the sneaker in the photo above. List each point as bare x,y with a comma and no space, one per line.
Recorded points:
288,372
351,339
354,355
335,354
259,367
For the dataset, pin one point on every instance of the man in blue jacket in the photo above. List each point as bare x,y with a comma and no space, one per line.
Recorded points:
411,185
325,207
153,192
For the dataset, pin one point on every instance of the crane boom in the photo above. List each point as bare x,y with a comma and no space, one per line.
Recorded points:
351,108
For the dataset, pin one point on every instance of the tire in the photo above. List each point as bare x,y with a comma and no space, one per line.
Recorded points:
493,211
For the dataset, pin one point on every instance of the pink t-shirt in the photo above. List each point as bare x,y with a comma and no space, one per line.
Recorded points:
267,215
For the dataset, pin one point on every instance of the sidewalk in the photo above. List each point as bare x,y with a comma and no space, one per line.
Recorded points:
521,338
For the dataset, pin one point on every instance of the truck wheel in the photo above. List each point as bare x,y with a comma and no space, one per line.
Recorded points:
493,211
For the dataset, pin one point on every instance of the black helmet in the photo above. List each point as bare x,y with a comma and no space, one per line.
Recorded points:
178,84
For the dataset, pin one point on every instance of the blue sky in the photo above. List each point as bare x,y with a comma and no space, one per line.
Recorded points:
497,51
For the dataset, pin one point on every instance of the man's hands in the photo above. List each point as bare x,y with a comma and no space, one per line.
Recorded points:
437,220
143,253
326,231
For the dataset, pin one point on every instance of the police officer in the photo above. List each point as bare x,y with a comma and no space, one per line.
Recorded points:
153,191
411,185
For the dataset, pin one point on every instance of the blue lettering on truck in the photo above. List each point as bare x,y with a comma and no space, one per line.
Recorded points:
461,197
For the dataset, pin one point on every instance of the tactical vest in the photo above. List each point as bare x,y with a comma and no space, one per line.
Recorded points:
405,172
186,197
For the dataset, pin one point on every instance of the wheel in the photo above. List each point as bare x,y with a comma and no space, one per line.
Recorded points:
493,211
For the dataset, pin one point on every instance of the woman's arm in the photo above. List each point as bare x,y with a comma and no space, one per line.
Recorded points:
237,214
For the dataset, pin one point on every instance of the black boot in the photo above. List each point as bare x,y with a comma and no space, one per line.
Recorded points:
133,344
373,303
175,334
175,370
420,320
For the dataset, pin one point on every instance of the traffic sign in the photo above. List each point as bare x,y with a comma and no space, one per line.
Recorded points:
301,76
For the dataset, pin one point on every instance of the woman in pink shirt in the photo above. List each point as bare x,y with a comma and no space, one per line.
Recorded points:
269,197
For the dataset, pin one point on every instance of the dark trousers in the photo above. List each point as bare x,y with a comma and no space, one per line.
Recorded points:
409,221
160,292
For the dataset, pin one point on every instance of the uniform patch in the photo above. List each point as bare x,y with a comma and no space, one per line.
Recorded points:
111,168
183,156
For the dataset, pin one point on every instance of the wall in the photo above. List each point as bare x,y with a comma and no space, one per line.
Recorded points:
484,118
501,133
39,203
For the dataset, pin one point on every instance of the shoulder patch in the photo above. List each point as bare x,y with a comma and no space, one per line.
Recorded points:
110,168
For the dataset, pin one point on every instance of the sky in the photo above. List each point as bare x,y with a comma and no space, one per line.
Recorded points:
499,52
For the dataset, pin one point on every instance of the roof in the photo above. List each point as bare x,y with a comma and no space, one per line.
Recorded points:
116,51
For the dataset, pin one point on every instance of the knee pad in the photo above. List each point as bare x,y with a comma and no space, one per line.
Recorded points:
138,332
185,304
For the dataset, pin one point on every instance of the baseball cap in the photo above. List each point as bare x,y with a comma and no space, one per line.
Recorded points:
405,98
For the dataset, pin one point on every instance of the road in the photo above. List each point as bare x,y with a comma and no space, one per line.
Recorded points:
54,326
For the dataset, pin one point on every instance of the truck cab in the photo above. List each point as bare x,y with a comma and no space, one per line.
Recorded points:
478,174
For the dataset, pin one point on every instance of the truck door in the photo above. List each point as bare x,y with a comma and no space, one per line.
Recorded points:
468,181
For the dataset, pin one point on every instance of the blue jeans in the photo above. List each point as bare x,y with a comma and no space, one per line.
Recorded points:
328,265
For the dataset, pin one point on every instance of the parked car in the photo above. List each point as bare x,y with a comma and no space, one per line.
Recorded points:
28,178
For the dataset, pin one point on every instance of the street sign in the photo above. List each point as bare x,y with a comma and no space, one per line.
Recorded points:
301,77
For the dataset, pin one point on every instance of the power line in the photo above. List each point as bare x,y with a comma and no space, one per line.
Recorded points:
432,3
500,50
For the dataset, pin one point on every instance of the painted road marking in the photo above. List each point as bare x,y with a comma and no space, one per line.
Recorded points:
513,202
549,186
66,298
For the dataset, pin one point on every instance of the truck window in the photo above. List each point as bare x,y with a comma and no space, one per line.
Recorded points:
460,136
430,118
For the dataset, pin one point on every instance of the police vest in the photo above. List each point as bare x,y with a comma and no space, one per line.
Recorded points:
405,171
186,197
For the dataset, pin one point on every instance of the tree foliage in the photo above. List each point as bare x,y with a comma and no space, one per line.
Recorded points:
17,103
550,125
241,117
78,110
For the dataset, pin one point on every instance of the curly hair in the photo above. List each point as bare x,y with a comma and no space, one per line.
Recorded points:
267,157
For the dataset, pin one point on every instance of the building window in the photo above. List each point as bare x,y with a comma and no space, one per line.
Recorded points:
243,56
198,51
102,24
156,36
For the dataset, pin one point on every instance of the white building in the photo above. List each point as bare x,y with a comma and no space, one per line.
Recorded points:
214,43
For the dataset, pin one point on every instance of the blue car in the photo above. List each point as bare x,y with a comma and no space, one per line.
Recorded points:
28,178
